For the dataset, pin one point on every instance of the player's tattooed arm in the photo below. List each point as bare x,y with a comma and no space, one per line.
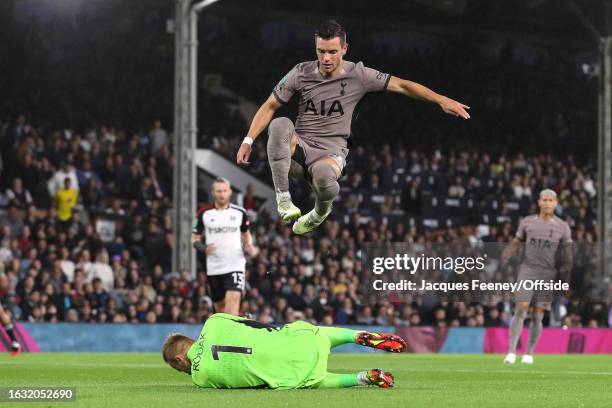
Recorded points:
510,250
418,91
260,121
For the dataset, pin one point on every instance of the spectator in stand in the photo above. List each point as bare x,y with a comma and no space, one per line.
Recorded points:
102,271
18,196
159,138
58,181
66,199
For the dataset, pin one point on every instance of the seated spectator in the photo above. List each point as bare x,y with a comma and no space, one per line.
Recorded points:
102,270
18,196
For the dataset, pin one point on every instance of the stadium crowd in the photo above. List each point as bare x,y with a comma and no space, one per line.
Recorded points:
60,260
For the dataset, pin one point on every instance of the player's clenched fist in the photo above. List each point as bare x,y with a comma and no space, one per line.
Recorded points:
242,157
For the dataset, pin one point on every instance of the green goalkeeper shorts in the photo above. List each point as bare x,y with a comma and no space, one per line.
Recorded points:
306,332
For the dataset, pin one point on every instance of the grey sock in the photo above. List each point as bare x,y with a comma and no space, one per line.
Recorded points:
279,152
516,327
535,329
325,186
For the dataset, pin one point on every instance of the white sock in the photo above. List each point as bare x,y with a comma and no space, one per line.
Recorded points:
362,378
283,197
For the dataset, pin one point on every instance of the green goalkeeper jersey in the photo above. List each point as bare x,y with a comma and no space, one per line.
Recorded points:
234,352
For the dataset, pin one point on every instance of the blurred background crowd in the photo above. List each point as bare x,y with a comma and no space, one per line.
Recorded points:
86,183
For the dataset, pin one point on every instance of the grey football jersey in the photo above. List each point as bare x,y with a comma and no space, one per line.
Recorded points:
542,240
326,105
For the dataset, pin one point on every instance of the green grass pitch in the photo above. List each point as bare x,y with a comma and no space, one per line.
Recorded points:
422,380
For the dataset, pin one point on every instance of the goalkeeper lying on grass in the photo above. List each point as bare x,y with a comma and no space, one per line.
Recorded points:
234,352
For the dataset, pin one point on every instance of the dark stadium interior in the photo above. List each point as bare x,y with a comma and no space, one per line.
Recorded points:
77,104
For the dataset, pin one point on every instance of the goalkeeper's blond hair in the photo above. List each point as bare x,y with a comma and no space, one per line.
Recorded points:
177,344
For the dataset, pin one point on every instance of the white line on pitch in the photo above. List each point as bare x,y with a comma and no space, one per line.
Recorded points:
19,363
509,370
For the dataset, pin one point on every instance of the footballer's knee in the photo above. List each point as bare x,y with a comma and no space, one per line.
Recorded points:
280,129
324,180
5,318
281,139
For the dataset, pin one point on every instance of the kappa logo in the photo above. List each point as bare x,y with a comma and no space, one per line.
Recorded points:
232,218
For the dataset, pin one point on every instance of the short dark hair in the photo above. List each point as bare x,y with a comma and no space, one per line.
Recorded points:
330,29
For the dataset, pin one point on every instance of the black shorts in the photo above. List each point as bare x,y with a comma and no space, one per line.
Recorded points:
219,284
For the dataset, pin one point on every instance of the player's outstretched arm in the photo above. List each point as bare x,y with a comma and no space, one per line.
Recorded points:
418,91
260,121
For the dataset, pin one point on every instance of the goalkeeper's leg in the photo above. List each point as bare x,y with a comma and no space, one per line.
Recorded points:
375,377
382,341
338,336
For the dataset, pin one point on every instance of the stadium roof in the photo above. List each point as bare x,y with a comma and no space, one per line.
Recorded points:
575,23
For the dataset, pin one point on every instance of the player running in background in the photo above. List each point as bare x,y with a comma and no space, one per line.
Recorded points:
225,227
328,89
542,236
5,319
234,352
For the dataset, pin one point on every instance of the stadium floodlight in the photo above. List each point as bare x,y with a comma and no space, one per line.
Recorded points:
196,8
185,131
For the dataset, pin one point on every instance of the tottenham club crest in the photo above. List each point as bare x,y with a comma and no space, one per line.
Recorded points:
342,84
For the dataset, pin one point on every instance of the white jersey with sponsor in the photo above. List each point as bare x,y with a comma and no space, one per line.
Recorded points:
223,228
